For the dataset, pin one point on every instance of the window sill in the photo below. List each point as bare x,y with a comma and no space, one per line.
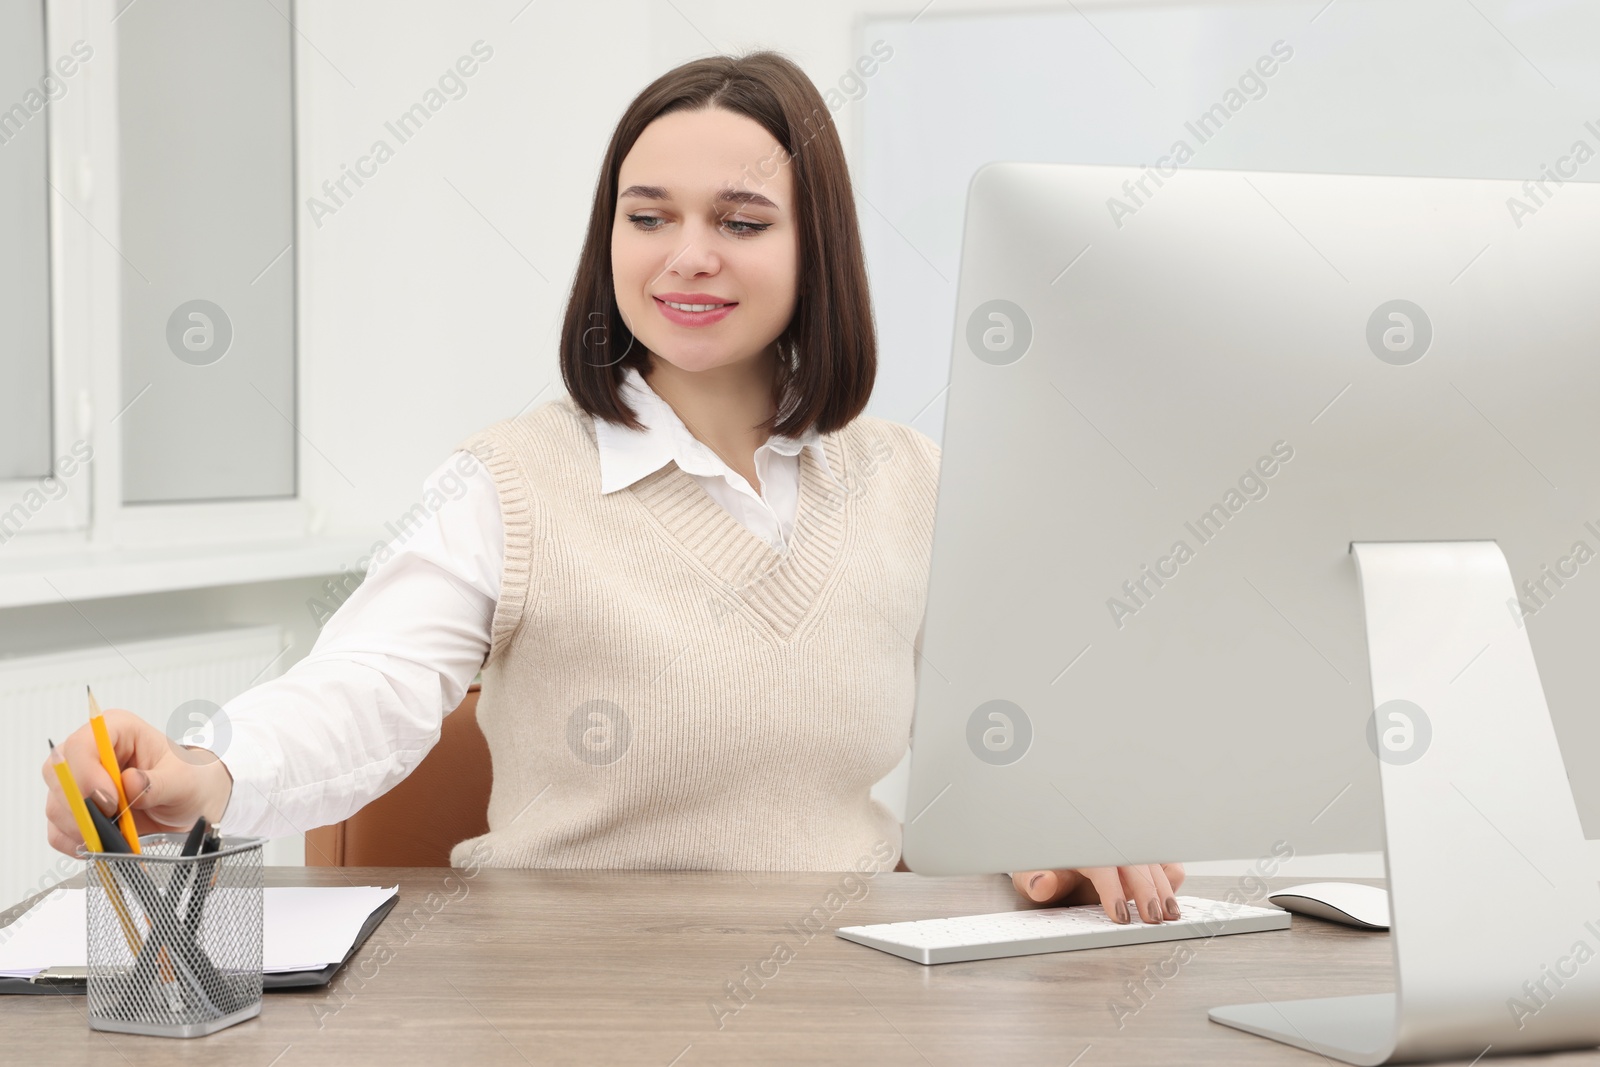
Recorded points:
49,576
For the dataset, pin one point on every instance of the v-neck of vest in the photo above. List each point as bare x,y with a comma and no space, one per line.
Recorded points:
780,586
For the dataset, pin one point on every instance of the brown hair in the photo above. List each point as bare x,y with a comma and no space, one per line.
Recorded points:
828,351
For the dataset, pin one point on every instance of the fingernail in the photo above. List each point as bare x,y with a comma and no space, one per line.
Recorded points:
104,799
1033,882
1122,911
1172,908
1155,910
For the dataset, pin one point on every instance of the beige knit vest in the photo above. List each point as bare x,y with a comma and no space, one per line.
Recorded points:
666,690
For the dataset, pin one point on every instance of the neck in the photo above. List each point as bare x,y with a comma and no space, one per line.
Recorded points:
723,407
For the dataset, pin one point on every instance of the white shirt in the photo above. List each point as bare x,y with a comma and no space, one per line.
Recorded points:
352,718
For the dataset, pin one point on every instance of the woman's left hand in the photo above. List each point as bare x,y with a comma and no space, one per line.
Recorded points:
1151,886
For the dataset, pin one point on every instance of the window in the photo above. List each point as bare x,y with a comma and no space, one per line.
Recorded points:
26,423
206,180
147,273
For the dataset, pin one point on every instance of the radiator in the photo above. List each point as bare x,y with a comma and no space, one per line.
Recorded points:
42,698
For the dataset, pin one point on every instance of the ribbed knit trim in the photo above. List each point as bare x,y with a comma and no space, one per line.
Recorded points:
517,518
781,587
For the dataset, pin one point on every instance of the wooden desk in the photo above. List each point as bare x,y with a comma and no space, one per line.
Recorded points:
588,967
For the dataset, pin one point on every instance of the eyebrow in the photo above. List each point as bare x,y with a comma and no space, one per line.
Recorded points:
728,194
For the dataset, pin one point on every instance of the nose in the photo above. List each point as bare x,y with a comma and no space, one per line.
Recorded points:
697,256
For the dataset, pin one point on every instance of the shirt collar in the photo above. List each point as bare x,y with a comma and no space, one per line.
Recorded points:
628,455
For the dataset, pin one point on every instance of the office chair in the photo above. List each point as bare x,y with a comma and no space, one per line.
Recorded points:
415,824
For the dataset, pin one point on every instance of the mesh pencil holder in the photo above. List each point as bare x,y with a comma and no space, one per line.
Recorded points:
174,941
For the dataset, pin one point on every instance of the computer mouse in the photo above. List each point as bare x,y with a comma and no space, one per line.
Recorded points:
1351,903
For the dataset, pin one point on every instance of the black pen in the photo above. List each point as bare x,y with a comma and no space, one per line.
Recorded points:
191,847
197,834
111,839
207,874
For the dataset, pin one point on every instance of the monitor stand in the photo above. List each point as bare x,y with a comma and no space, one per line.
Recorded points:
1494,907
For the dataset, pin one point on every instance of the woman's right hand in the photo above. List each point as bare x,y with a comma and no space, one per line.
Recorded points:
168,785
1150,886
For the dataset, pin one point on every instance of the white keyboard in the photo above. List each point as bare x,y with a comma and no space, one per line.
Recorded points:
1023,933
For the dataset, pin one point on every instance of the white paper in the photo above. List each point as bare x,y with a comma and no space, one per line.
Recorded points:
42,937
307,928
304,928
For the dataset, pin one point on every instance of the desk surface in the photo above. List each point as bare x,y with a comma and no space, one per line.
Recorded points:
592,967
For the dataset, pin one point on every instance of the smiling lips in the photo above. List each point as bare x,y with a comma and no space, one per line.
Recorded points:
694,309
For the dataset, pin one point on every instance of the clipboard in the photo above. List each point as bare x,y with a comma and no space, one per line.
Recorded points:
76,982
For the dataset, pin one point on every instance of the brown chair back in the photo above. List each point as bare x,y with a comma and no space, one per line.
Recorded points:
444,800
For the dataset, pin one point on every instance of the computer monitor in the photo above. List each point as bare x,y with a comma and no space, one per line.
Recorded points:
1227,455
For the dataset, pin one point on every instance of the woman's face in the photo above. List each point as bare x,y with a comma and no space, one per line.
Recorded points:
705,215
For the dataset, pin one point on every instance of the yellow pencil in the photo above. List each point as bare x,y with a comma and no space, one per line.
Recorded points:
91,841
75,802
108,760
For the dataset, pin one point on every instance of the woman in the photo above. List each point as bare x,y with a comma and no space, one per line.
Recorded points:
688,583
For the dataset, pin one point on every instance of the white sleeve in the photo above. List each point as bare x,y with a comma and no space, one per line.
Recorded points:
352,718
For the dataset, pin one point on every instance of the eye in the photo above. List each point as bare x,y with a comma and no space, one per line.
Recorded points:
739,226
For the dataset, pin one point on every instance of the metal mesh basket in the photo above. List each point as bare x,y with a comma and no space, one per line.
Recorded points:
174,941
